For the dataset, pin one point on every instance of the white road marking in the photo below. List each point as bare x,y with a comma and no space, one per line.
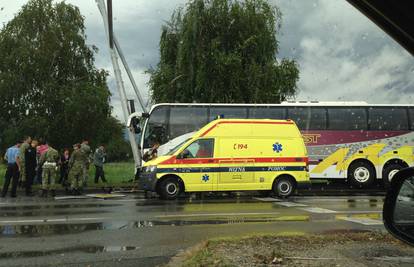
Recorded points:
267,199
49,220
71,197
364,221
215,214
128,200
359,211
105,196
318,210
290,204
339,198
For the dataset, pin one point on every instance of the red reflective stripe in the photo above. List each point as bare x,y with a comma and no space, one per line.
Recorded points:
173,160
245,122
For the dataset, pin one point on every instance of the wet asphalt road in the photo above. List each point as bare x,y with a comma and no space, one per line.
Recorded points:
133,231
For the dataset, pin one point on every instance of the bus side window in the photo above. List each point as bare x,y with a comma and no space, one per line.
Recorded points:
411,114
228,112
343,119
301,116
276,113
318,119
186,119
388,119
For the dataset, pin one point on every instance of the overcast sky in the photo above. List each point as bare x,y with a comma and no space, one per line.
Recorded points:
342,55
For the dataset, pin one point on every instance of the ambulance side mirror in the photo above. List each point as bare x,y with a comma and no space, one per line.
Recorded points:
398,210
183,155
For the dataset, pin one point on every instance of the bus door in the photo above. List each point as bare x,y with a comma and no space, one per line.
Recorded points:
235,174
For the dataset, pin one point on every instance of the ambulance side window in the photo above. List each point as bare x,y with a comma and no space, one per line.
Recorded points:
202,148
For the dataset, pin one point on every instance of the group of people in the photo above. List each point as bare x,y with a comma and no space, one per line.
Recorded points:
29,162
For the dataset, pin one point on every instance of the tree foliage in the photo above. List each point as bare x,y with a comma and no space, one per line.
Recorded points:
49,86
223,51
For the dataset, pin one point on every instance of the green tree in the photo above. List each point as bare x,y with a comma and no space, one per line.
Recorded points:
49,86
223,51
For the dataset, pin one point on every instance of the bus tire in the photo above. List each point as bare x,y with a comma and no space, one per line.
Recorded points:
169,188
284,186
389,173
361,174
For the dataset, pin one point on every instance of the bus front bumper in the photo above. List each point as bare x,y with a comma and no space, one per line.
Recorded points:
147,181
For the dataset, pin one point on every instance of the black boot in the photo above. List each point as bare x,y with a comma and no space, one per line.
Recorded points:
75,192
44,193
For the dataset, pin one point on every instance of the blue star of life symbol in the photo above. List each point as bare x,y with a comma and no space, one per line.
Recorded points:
277,147
205,178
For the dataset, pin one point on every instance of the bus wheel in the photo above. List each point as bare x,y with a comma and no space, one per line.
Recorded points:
169,188
284,186
389,173
361,174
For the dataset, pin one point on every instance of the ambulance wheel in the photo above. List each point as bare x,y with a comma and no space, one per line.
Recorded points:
361,174
284,186
169,188
389,173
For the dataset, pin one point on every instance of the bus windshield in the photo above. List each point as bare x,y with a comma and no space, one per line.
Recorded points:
172,151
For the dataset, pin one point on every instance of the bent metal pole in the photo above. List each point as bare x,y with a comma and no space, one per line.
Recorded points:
119,84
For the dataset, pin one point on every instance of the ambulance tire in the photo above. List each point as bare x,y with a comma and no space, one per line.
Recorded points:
169,188
361,174
284,186
389,173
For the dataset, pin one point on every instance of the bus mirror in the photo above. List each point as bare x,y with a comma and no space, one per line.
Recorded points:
135,125
399,206
145,115
137,129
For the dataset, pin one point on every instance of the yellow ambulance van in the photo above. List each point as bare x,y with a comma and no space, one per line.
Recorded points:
232,155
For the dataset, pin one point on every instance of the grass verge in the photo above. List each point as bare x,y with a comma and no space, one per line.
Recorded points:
339,248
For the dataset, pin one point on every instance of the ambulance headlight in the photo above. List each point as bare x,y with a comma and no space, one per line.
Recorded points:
151,168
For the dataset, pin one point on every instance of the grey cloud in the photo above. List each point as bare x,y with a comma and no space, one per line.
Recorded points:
342,55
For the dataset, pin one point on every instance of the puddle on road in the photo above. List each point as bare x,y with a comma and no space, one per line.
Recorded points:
49,213
62,252
56,206
63,229
372,203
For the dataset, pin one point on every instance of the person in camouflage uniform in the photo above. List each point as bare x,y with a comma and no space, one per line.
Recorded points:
85,150
22,152
50,162
76,163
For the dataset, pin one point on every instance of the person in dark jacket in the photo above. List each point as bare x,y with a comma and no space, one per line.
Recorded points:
98,161
31,164
64,168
